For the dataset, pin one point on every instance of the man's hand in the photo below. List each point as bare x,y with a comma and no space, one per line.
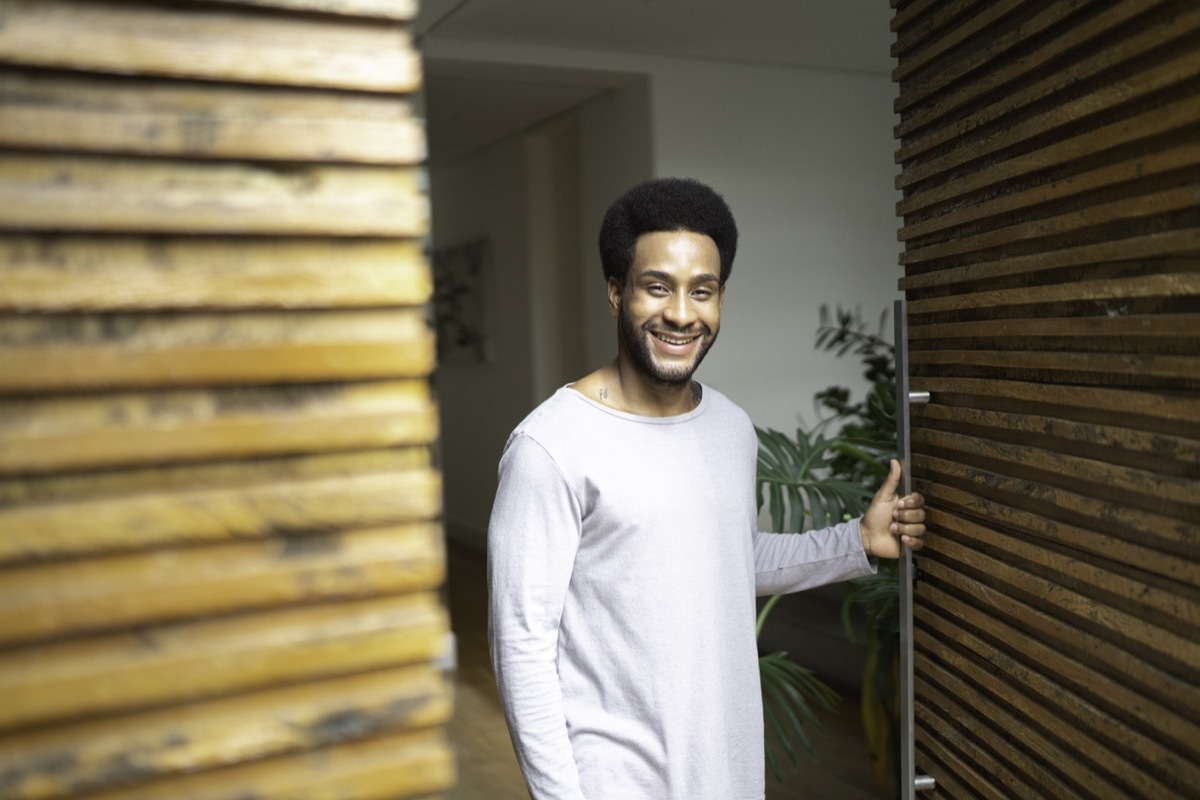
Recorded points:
891,519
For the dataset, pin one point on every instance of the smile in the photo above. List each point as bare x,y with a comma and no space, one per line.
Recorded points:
675,339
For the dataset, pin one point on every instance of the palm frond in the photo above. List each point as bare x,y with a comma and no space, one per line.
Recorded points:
789,693
793,484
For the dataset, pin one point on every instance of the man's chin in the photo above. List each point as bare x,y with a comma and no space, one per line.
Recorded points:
678,375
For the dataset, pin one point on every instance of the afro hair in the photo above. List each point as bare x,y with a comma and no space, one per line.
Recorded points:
665,204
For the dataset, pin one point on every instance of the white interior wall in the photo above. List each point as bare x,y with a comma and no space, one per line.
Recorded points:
484,196
553,235
616,152
804,158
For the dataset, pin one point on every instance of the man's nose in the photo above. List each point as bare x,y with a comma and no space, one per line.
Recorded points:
679,310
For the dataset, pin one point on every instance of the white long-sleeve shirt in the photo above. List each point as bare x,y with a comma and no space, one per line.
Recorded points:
623,564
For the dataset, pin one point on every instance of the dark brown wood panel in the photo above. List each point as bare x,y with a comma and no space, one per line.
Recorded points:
1050,170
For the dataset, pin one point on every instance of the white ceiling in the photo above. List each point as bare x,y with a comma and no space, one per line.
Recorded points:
469,103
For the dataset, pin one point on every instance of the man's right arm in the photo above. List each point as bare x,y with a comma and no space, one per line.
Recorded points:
532,540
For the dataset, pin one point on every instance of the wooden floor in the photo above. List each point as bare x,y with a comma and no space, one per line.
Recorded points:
488,769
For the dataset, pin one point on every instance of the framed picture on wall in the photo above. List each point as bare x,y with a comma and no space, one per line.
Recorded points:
461,307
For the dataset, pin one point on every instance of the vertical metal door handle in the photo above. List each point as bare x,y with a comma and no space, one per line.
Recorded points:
910,782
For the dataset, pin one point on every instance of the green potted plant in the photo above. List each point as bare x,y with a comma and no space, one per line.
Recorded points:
825,475
794,483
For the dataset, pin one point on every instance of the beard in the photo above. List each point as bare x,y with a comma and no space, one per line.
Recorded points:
638,346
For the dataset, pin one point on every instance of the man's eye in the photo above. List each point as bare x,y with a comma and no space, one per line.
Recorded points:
658,289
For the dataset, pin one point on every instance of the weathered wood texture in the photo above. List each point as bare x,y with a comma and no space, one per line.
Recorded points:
220,545
1050,165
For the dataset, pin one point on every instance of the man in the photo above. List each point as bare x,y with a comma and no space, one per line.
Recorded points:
623,550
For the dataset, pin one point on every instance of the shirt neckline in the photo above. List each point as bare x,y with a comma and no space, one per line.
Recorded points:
705,393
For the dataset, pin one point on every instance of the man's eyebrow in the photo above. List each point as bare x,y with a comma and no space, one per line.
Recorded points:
666,277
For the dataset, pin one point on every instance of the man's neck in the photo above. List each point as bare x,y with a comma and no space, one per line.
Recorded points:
622,387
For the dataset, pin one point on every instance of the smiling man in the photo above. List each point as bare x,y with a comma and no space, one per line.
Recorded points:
623,550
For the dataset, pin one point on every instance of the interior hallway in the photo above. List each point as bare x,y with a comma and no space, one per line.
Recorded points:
486,765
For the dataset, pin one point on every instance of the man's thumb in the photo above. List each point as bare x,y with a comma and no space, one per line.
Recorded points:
892,482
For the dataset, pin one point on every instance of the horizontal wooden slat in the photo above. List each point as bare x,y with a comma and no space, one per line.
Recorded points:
75,486
1185,242
1170,651
908,12
981,743
399,765
996,332
918,22
75,759
101,594
1094,60
1043,660
1077,187
1159,452
1060,711
1061,156
1166,410
1185,284
1106,99
1164,605
962,770
1181,198
1137,487
51,111
109,273
1107,369
969,18
138,521
922,78
121,195
190,661
139,331
990,698
55,434
54,353
1088,524
1108,660
998,499
215,43
385,9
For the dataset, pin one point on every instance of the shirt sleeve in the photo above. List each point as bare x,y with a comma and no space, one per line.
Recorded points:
533,537
790,562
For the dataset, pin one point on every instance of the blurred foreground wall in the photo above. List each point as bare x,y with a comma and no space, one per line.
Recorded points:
219,525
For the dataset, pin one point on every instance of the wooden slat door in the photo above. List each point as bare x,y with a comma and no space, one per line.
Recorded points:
1050,159
220,544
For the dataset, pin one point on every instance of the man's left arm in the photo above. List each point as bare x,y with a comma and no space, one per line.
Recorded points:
786,562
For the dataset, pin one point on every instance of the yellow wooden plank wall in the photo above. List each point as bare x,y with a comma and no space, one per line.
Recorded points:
1050,158
220,544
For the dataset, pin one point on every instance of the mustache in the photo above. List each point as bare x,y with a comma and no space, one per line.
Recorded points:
666,327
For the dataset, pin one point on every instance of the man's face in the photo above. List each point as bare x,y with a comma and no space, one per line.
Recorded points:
669,310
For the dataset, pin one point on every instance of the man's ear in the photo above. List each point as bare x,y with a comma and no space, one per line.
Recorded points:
721,297
615,290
